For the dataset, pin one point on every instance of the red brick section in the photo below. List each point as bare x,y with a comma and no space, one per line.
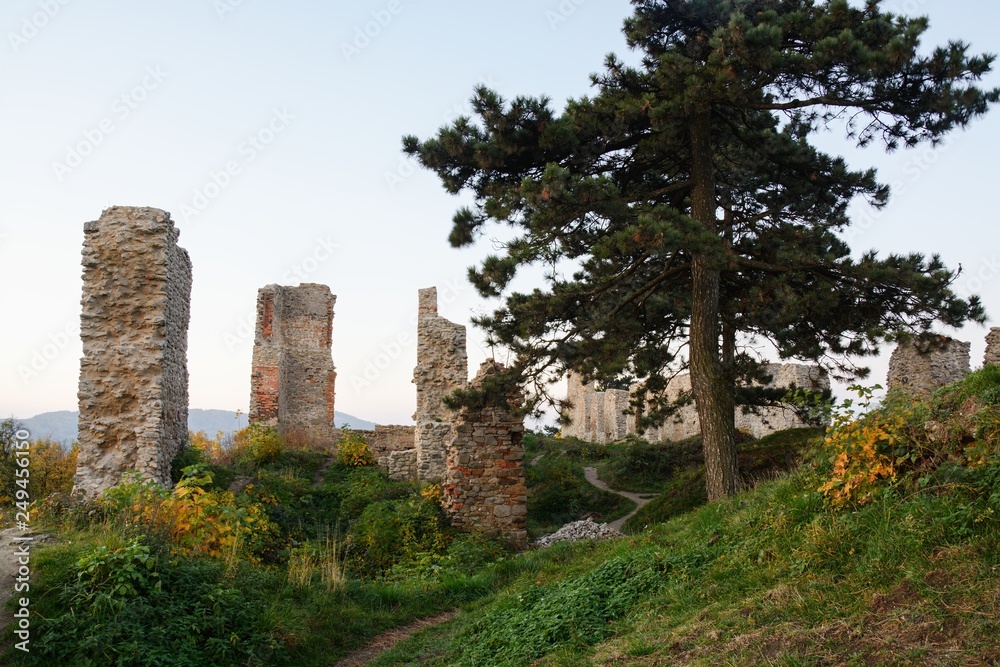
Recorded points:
266,381
484,488
267,316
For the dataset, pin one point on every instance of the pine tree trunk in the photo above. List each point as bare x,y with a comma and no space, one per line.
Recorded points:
712,388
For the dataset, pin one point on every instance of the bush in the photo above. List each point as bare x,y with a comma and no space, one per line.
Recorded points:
190,518
353,450
127,605
909,443
256,445
390,532
364,487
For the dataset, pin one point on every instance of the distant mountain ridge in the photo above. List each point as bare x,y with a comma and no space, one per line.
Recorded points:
62,425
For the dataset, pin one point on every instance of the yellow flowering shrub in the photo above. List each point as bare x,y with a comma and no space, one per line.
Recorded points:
867,449
353,450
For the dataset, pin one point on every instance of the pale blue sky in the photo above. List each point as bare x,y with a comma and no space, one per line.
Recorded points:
161,96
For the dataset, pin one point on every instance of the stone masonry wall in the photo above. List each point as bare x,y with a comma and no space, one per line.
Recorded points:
292,379
442,367
600,416
992,347
918,369
484,487
393,446
133,392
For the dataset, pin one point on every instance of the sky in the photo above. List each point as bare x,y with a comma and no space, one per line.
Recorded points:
272,134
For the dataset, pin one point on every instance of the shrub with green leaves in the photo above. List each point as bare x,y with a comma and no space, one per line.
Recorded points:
256,445
390,532
127,605
353,450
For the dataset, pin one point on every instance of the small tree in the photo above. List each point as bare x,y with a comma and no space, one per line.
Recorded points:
682,210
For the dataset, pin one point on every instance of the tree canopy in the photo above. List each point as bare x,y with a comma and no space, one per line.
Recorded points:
681,210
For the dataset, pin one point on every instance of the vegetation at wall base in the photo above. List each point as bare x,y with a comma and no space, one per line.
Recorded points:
899,568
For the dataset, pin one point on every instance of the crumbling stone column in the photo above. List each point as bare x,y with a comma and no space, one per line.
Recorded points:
442,367
992,347
292,380
918,368
133,392
580,396
484,487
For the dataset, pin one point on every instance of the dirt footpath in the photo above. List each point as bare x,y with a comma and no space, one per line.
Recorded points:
9,554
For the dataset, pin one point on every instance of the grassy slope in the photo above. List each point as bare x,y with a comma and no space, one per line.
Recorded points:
773,576
770,577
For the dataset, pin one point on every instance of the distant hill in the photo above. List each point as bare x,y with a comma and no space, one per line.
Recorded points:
62,425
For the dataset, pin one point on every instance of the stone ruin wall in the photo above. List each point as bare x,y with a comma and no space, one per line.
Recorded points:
133,391
918,369
992,356
442,367
601,416
484,488
292,378
393,447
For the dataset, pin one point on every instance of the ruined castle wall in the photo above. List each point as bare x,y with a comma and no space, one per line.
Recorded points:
992,347
393,447
442,367
600,417
918,369
293,377
484,486
133,391
615,417
575,396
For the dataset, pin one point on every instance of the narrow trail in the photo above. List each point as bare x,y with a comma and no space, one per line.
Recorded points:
317,480
9,554
387,640
640,499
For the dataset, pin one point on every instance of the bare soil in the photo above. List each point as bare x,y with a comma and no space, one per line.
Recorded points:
388,639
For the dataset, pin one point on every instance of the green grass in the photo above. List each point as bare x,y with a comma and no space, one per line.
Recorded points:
558,493
769,577
772,576
775,575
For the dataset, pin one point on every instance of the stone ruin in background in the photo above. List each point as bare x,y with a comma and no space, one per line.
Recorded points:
602,416
918,368
484,486
292,377
133,391
992,356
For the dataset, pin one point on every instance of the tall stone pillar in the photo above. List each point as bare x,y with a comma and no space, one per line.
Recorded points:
919,368
992,356
133,392
292,379
484,486
442,367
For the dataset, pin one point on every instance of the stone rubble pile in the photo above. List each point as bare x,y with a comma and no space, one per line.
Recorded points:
579,530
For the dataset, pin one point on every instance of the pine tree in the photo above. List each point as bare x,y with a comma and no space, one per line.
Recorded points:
681,210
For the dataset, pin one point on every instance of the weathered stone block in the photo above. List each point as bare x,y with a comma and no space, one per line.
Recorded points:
442,367
992,355
919,368
484,487
133,392
293,378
